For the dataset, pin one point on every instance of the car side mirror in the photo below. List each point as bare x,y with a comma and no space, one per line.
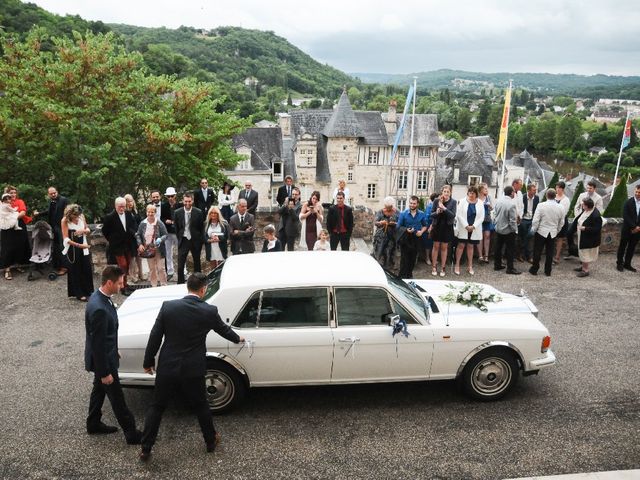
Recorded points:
390,319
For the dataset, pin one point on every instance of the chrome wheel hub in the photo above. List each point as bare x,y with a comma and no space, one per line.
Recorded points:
491,376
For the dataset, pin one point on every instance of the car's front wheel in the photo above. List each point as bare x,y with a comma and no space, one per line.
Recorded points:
490,374
225,386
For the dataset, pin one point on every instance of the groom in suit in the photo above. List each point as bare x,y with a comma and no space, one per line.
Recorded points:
251,196
189,222
184,325
101,357
630,232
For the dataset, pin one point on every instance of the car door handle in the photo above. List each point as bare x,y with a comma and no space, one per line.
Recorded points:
349,339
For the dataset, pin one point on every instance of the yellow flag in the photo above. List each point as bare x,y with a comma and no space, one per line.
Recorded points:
504,127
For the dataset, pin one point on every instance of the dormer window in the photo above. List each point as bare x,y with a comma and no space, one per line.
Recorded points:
277,174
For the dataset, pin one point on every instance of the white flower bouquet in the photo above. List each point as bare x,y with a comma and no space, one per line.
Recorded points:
470,294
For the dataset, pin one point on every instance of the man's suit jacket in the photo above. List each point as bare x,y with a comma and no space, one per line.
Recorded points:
184,324
630,217
167,212
282,194
196,224
333,218
252,201
290,220
56,212
120,240
101,341
243,241
199,202
525,203
548,219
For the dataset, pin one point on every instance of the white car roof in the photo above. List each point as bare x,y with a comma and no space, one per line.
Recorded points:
290,269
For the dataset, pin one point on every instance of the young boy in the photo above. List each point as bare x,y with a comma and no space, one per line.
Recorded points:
271,243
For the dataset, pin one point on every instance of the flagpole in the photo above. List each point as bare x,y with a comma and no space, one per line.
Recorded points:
413,119
504,150
615,177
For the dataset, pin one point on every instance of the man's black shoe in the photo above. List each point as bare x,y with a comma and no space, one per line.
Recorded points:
533,272
577,269
144,455
133,438
548,274
620,268
501,267
211,447
514,272
630,268
101,429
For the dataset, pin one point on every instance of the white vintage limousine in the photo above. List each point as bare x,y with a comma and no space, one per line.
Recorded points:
317,318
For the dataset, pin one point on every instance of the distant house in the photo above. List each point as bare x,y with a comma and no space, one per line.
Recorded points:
471,162
595,151
530,170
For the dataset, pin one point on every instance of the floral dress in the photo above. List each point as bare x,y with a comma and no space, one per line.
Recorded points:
384,240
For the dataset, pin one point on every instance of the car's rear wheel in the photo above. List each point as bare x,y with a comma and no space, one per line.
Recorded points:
225,386
490,374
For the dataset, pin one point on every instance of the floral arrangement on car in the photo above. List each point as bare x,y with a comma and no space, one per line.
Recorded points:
471,295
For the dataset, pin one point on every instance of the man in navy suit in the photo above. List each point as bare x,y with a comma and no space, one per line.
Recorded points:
184,324
119,228
101,357
204,197
630,232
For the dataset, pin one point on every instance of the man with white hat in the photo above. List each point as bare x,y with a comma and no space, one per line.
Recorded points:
166,215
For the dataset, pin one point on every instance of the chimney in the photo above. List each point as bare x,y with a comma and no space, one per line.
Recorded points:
392,117
284,121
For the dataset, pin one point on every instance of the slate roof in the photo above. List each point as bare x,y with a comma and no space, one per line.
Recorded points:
372,128
343,122
534,171
265,145
473,156
425,130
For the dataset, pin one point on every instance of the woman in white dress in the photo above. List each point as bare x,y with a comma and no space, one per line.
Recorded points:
216,232
468,228
589,229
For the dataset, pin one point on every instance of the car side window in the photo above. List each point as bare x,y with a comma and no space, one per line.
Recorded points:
298,307
404,314
361,306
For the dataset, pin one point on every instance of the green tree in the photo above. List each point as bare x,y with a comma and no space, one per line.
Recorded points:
493,121
552,184
544,135
619,197
483,114
574,199
86,117
568,131
463,120
453,134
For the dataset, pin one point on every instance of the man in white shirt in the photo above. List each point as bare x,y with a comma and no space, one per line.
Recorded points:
593,195
547,222
528,209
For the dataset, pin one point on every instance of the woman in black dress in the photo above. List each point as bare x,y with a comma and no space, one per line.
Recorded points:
76,249
443,214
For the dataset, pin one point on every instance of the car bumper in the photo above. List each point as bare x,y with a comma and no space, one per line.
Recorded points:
136,379
547,360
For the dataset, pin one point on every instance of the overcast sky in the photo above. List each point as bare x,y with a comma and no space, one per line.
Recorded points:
406,36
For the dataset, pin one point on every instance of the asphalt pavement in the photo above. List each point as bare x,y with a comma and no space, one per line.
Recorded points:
583,415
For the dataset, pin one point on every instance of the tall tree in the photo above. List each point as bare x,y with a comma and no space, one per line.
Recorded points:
614,209
87,117
568,132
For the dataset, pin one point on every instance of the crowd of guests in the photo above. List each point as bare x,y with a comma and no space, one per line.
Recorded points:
446,231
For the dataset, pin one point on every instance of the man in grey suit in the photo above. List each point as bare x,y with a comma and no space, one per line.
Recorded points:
184,325
547,223
242,226
251,196
506,221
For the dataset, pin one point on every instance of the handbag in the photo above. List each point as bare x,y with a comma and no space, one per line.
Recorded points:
150,249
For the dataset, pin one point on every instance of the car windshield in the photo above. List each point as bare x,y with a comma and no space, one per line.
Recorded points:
213,282
409,294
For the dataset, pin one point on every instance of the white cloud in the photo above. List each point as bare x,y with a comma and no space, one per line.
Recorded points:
412,35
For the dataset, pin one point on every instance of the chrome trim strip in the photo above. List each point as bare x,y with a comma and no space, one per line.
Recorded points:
492,343
231,361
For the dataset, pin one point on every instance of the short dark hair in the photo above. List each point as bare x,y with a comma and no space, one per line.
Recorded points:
530,186
155,191
433,196
187,194
592,183
508,190
196,281
414,197
340,194
472,189
561,184
111,272
588,202
551,194
288,177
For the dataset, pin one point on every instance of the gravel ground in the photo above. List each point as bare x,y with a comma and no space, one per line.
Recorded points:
581,415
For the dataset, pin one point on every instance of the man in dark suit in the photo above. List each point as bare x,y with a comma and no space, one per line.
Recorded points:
340,223
529,205
184,324
54,214
101,357
289,224
251,196
630,232
204,197
119,228
242,227
189,223
286,190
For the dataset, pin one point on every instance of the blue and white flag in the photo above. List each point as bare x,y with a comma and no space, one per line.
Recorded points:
402,122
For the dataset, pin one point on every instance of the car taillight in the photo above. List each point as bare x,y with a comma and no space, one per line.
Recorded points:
546,342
